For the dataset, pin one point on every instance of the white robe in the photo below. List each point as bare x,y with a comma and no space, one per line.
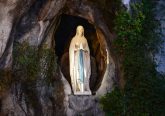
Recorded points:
77,43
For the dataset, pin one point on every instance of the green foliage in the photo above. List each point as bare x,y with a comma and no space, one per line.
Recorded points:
138,37
108,101
50,62
31,63
25,62
5,79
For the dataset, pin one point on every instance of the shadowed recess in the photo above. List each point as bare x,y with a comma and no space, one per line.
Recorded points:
63,35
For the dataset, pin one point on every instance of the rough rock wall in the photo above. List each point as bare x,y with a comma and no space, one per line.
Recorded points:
30,93
30,26
24,20
10,12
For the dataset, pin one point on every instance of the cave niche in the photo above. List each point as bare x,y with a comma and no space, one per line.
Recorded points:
63,35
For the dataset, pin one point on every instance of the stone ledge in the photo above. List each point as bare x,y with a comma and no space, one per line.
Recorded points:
81,103
83,93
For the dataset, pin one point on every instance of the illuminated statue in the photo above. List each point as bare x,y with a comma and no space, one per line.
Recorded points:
80,69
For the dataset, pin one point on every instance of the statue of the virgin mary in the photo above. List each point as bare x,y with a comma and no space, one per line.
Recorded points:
80,69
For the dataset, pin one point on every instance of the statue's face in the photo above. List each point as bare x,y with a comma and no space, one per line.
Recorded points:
80,30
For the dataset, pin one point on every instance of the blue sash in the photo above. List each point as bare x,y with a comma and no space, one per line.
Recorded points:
81,66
